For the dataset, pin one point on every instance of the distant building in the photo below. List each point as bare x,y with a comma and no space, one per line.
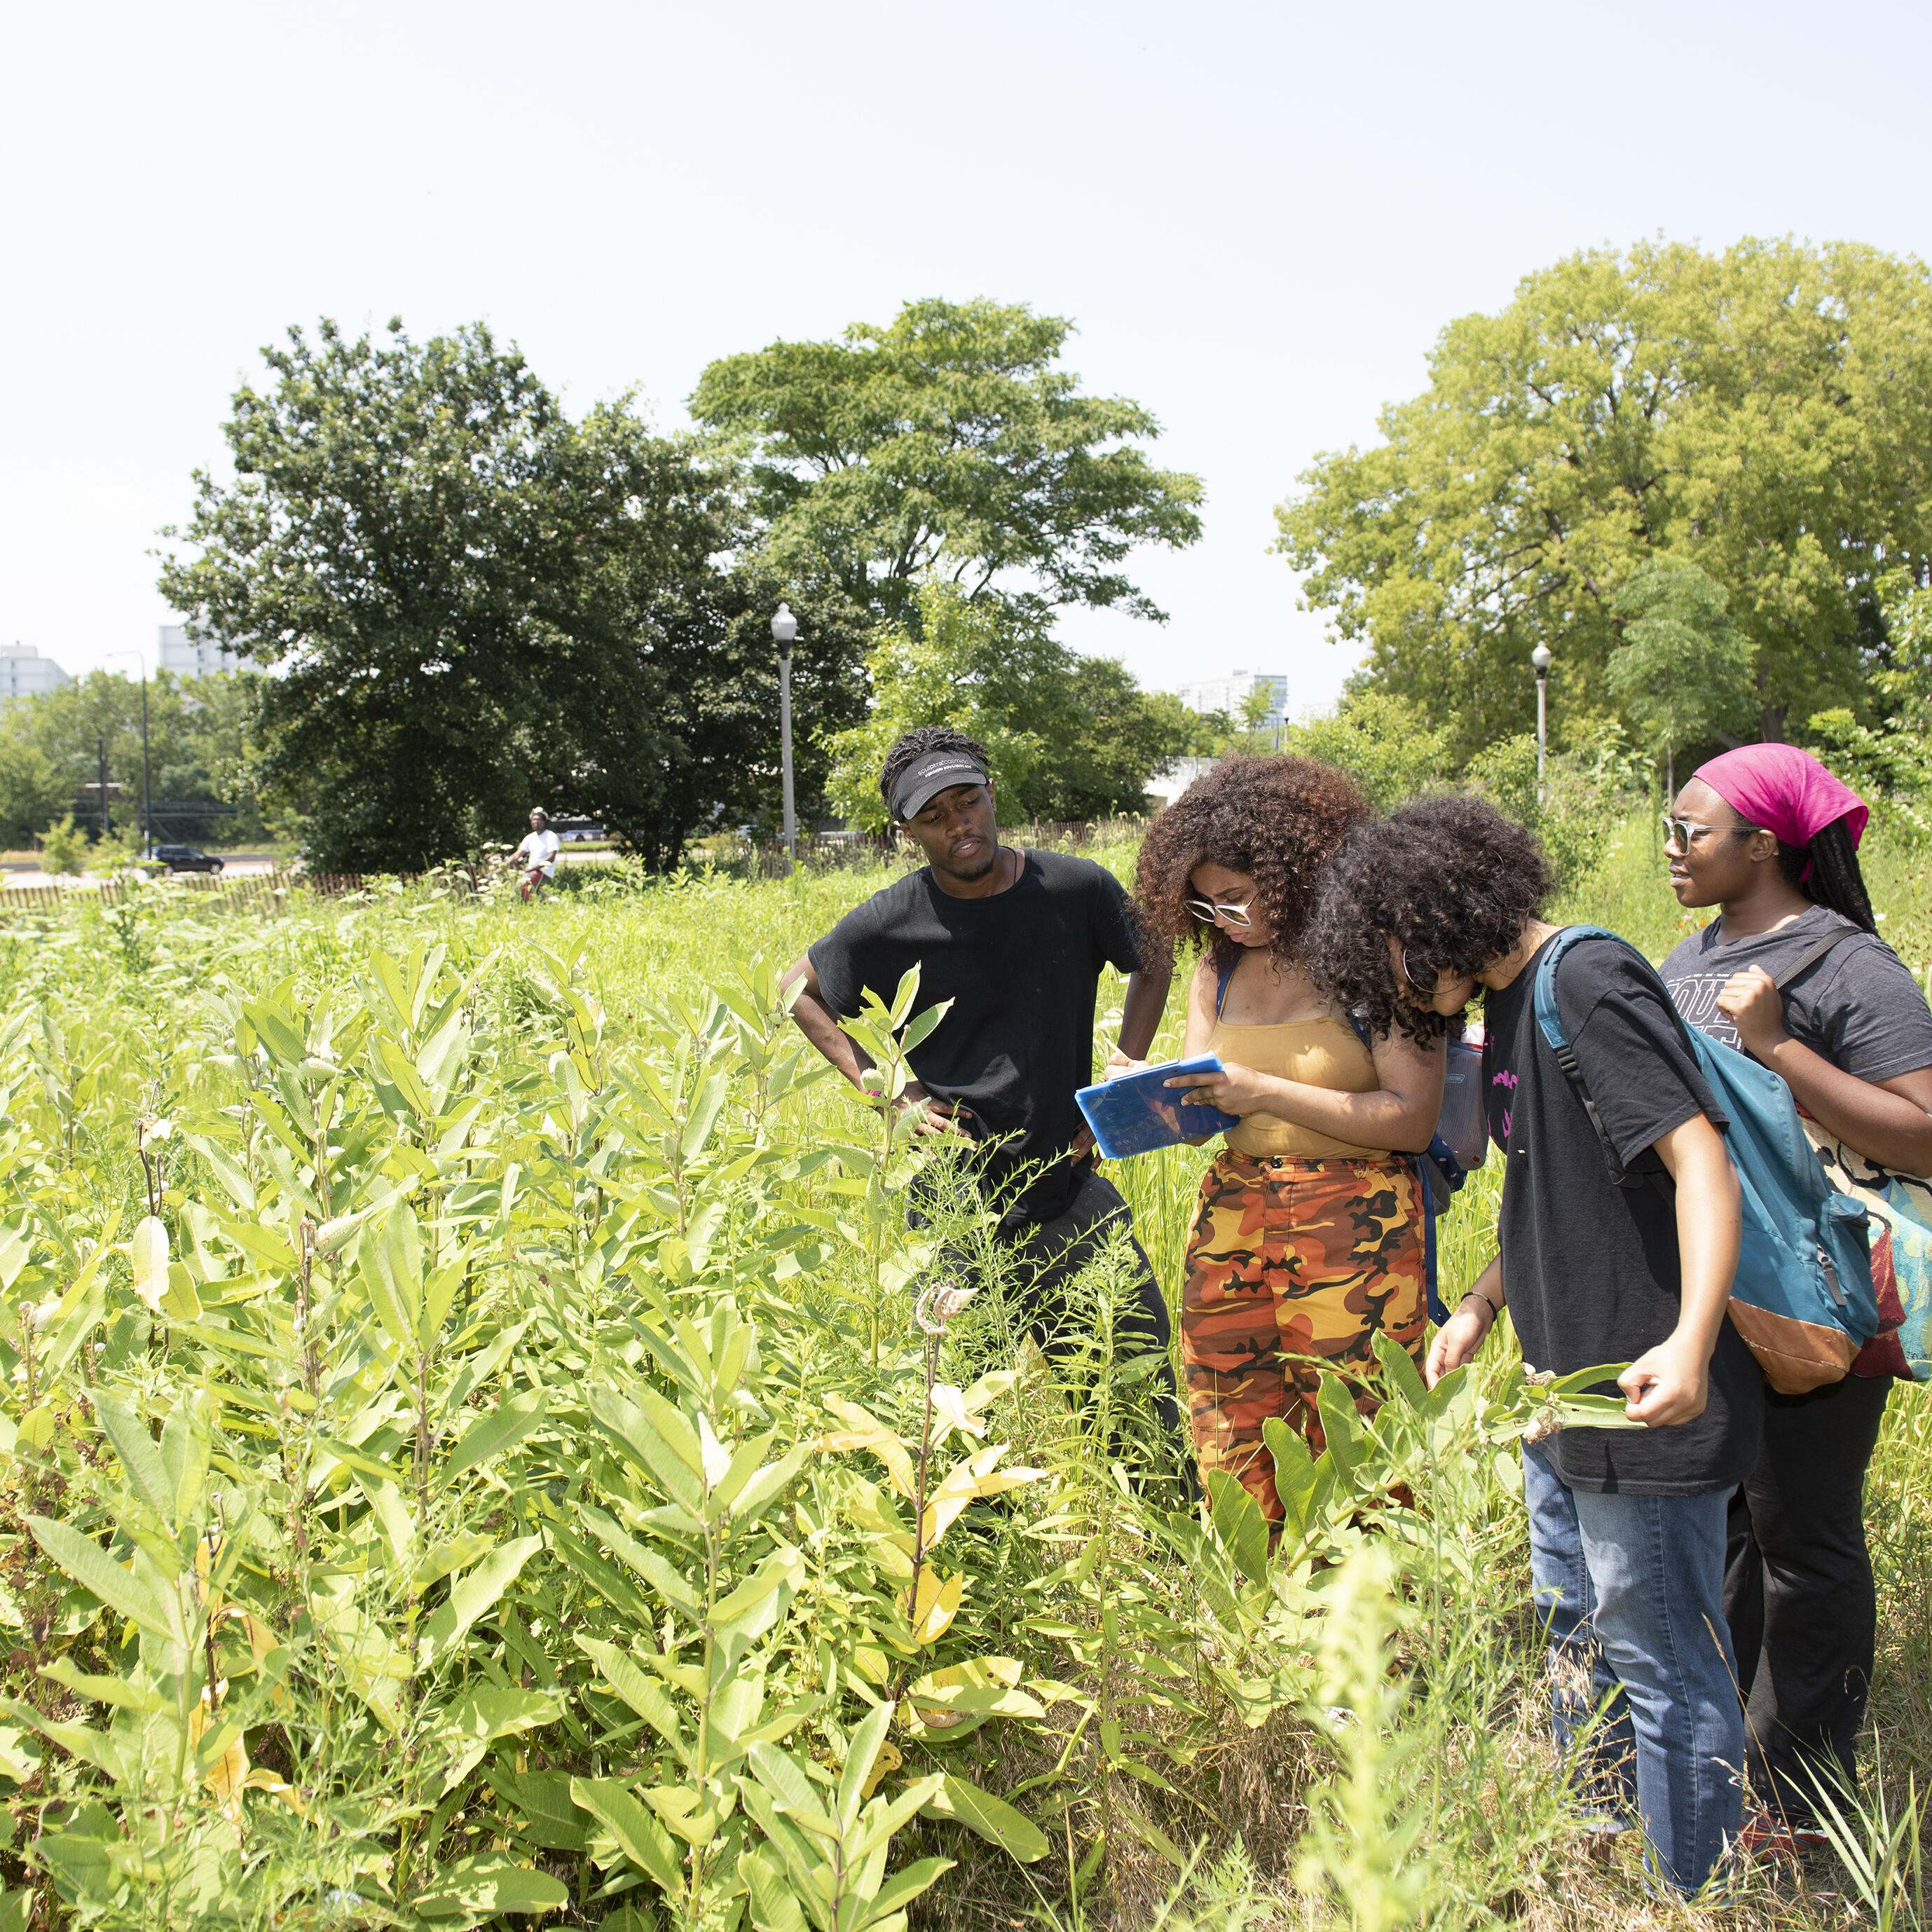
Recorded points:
1230,692
24,673
195,657
1164,788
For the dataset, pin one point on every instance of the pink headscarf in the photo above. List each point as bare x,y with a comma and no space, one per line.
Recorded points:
1786,791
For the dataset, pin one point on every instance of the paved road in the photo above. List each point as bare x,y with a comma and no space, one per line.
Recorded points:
26,872
235,865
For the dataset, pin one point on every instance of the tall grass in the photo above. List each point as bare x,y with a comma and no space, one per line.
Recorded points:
1411,1783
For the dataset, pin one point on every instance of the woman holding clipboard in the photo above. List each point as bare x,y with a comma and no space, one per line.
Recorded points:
1309,1239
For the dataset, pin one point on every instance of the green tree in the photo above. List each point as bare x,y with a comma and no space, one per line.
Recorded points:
476,604
201,747
1765,414
950,442
1683,673
1069,737
1257,734
63,847
1383,742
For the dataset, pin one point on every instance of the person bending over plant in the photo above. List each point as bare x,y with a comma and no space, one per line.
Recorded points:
1309,1239
1627,1529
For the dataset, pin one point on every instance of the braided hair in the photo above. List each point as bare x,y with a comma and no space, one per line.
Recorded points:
916,743
1826,871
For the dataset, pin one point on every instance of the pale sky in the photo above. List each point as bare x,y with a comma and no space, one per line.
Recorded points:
1258,216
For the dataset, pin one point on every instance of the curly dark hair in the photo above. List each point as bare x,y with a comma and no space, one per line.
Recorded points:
916,743
1449,878
1278,820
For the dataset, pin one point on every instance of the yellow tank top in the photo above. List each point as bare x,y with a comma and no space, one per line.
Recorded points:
1322,1053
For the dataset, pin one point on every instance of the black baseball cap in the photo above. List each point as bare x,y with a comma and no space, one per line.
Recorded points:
930,774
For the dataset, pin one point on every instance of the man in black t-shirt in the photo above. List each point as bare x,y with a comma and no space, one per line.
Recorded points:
1627,1527
1016,940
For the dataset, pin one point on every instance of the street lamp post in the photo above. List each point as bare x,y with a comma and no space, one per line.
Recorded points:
1540,657
147,793
784,634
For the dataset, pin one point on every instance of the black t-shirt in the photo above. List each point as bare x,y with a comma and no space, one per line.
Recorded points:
1590,1270
1859,1007
1021,968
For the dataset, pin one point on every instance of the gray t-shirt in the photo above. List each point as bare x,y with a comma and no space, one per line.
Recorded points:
1859,1007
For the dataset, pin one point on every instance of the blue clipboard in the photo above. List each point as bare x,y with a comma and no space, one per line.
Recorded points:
1139,1112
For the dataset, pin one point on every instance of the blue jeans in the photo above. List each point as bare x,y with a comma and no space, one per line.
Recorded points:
1631,1588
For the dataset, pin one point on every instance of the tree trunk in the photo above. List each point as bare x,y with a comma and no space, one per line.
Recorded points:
1770,723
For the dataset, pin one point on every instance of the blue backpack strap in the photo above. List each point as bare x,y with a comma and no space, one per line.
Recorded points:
1549,1020
1221,991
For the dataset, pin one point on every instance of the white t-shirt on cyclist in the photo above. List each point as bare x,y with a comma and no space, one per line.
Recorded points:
537,852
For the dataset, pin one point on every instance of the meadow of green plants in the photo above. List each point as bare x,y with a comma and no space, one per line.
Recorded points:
481,1445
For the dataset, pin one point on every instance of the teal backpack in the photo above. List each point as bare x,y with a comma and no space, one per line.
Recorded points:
1803,1300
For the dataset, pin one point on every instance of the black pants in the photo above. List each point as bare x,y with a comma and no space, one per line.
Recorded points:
1799,1593
1050,1253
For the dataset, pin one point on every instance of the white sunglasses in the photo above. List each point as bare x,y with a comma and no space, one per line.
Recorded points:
1208,911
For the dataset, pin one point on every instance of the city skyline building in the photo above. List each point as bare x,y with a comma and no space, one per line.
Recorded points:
194,657
24,673
1230,691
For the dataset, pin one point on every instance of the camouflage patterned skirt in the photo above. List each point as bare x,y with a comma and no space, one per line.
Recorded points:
1292,1268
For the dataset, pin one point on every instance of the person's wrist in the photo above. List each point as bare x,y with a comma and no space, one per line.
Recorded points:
1476,1294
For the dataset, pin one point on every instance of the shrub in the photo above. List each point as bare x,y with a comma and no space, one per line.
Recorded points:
63,848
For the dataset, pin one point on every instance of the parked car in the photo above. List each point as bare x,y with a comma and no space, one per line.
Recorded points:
185,858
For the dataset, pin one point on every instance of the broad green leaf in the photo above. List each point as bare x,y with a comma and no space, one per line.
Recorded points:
490,1435
1400,1367
640,1692
640,1837
472,1889
1294,1472
1580,1381
116,1690
186,1449
993,1818
404,1077
476,1592
797,1797
775,1906
862,1749
139,1456
91,1566
227,1170
703,1116
1239,1522
479,1716
1341,1426
539,1805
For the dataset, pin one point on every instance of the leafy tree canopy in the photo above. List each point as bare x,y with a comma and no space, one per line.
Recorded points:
201,748
1070,737
1382,741
1765,414
949,442
1683,673
474,604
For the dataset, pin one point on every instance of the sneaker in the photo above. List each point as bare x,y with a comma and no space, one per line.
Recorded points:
1766,1835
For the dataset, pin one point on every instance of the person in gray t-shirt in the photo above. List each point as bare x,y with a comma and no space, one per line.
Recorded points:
1792,972
1858,1006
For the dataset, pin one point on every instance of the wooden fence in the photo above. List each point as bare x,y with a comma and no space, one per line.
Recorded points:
251,888
836,851
819,852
